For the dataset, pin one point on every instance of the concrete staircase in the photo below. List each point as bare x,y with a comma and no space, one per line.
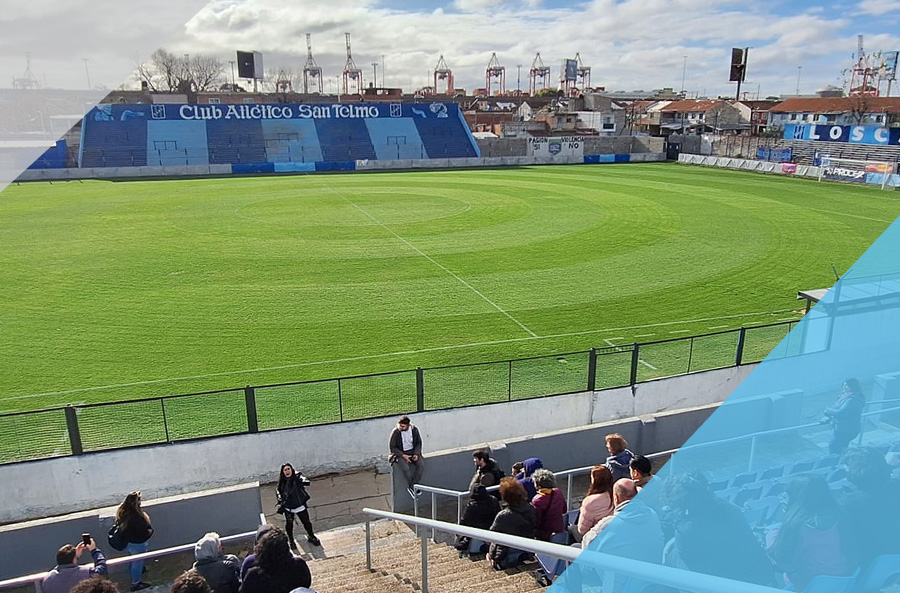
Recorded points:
339,566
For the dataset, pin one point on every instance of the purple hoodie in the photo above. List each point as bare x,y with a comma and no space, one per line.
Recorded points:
531,464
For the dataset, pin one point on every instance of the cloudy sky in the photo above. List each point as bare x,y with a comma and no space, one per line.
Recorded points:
629,44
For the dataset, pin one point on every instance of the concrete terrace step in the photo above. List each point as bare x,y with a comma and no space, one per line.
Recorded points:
339,565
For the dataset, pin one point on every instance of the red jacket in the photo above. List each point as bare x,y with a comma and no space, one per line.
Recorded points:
550,509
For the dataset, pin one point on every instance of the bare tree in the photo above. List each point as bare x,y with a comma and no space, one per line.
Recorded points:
166,72
206,72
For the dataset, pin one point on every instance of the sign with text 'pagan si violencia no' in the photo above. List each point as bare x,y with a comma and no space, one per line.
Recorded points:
560,146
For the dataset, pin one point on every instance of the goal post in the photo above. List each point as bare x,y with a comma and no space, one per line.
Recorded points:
856,170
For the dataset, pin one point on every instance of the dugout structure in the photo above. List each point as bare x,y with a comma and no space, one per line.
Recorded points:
856,171
272,137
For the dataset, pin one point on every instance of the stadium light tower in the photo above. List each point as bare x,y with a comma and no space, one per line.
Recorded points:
353,76
442,72
538,74
495,70
311,70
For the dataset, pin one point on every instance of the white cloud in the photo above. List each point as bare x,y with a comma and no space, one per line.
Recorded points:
630,44
879,7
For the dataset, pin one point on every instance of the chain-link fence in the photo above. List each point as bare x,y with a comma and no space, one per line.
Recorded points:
97,427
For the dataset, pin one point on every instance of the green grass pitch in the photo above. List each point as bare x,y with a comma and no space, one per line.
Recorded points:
140,289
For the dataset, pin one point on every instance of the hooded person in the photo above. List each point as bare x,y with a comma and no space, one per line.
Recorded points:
531,464
221,571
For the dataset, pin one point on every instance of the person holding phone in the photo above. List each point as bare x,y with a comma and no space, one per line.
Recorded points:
136,529
67,573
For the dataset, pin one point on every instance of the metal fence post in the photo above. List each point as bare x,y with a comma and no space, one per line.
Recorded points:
509,383
420,389
162,406
739,355
368,544
592,370
424,564
634,363
72,428
250,402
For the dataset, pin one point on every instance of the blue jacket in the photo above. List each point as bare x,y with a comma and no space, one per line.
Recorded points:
618,464
531,464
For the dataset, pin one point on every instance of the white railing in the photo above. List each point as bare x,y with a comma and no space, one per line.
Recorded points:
37,578
606,564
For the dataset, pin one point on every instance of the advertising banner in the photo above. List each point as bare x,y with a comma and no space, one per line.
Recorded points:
845,174
775,155
561,146
878,135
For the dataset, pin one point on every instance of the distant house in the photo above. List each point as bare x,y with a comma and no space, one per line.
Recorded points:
757,113
842,111
701,116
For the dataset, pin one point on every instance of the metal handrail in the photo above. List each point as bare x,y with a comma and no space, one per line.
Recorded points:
38,577
609,564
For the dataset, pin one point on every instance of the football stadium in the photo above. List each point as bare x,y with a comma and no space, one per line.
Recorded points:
572,356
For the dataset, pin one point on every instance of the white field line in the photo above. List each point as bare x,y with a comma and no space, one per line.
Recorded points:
298,365
609,342
433,261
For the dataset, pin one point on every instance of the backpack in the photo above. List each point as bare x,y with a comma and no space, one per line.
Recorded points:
116,538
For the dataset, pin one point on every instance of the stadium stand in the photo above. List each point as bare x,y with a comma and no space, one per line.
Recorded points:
255,135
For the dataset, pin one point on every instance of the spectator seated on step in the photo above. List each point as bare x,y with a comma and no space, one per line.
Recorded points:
632,531
95,584
67,573
480,512
516,517
872,503
549,505
221,571
277,570
711,534
597,503
250,561
190,582
487,472
619,456
524,477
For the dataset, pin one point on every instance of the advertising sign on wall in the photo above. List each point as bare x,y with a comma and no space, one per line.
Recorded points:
852,134
845,174
561,146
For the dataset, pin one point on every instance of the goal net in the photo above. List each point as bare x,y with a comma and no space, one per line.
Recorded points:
857,171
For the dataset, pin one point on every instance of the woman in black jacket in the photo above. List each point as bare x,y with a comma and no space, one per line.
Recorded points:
276,570
292,499
480,512
136,529
516,518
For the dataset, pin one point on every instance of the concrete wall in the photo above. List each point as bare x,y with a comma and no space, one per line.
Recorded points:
52,486
31,546
501,160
